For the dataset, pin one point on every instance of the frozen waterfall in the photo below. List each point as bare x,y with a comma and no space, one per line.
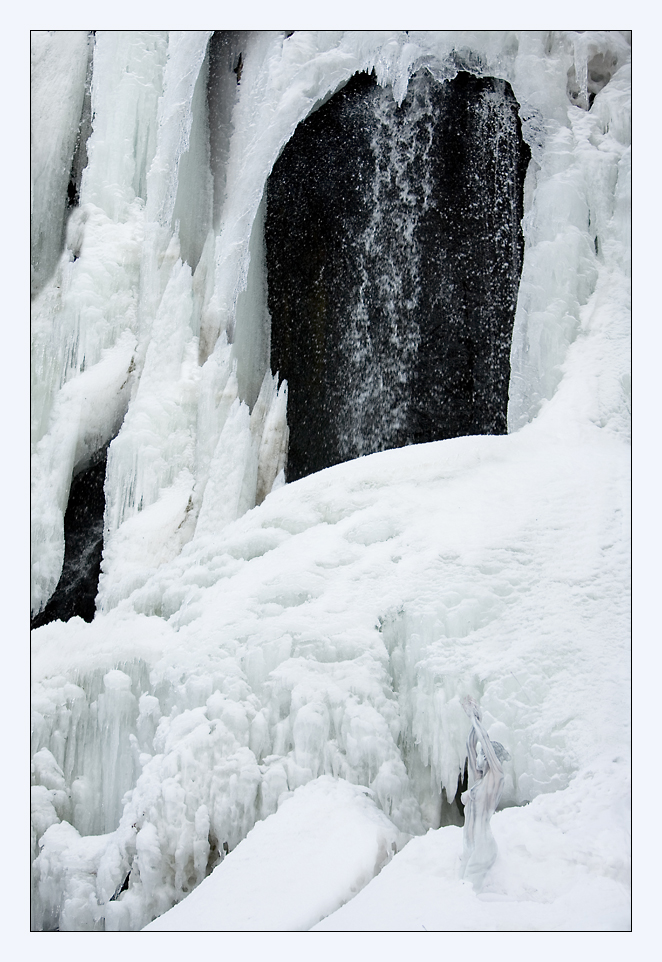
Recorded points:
445,360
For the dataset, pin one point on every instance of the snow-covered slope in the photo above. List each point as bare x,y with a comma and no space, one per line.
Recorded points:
240,652
562,866
295,867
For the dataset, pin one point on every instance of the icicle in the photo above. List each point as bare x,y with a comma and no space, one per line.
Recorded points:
269,424
151,463
230,490
58,65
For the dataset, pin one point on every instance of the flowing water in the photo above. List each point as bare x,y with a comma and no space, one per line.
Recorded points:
394,252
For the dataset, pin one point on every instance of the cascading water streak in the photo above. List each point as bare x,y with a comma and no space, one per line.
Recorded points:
394,251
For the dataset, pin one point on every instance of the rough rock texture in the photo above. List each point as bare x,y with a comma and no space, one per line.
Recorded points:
394,252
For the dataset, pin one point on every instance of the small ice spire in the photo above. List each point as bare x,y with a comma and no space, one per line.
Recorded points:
479,849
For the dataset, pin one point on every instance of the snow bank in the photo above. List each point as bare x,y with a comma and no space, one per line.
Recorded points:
563,865
325,842
333,630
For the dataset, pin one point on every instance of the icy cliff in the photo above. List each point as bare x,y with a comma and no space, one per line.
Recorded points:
253,636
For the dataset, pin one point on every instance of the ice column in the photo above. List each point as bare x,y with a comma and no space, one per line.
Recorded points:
479,850
58,65
85,322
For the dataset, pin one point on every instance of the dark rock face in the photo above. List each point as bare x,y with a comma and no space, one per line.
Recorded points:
83,543
394,252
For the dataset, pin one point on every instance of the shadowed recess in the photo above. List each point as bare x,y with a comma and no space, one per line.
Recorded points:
394,252
83,543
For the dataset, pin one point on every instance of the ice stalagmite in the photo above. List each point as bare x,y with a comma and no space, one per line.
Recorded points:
481,801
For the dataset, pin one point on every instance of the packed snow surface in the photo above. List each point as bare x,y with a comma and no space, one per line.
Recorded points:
560,867
253,638
316,852
334,630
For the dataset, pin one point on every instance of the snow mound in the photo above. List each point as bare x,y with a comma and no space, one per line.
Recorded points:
548,875
333,630
325,842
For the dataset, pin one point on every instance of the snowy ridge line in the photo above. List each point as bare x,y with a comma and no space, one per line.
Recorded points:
254,638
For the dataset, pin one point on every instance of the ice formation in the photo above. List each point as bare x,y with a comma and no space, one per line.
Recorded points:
321,847
479,850
253,637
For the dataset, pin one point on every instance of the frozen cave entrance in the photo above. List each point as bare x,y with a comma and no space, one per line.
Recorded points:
394,251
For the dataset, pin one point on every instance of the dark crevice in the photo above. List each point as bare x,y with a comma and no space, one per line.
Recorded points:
83,543
122,887
452,813
239,68
394,252
79,161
